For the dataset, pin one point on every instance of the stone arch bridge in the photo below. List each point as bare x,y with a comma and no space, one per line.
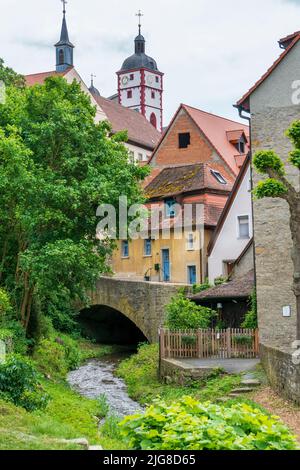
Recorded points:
141,302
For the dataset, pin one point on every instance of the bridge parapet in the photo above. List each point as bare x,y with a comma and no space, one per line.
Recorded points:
142,302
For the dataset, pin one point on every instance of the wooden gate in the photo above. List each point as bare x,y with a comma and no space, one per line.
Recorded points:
209,344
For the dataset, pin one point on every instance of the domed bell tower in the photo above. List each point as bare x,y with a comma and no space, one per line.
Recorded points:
140,83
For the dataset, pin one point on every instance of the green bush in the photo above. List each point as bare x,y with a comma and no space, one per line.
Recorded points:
251,317
57,355
201,287
183,314
14,330
5,305
20,384
50,358
243,340
190,425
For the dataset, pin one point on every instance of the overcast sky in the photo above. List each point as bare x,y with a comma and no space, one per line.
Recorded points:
211,51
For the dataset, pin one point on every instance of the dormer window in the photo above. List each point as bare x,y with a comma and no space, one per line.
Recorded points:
170,208
218,177
241,146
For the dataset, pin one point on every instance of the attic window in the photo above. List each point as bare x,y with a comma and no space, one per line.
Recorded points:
218,177
184,140
241,146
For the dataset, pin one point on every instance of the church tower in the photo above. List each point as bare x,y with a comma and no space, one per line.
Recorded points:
64,48
140,84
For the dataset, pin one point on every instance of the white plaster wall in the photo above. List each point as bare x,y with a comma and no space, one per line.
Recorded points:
135,82
138,150
228,246
74,75
149,101
131,102
153,84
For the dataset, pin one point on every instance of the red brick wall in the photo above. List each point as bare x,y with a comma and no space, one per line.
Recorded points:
199,151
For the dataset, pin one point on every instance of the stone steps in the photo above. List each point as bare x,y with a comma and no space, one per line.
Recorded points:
251,383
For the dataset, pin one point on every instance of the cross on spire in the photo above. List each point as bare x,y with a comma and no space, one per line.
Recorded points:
64,2
139,14
92,79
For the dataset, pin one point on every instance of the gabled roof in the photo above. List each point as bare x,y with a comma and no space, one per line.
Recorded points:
186,179
241,287
214,129
39,78
284,42
140,130
244,102
228,205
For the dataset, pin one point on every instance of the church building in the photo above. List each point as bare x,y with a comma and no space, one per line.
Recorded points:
142,121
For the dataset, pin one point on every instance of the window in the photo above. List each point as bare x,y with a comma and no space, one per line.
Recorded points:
192,275
157,79
140,157
190,242
170,208
243,226
131,156
153,95
218,177
148,247
184,140
61,57
153,120
129,94
131,76
125,249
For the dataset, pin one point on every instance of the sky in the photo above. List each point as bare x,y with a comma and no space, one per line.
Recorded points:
211,51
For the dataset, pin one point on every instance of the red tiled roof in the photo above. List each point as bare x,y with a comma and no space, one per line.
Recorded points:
185,179
140,130
39,78
284,42
214,129
234,136
244,101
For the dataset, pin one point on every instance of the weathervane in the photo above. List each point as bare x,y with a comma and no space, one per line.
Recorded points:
139,14
64,2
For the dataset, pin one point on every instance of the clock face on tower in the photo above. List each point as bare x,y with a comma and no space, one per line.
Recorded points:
125,80
149,79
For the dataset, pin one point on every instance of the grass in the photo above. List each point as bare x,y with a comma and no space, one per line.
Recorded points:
141,377
67,416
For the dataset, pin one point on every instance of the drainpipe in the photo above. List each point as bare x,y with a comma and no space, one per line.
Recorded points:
248,118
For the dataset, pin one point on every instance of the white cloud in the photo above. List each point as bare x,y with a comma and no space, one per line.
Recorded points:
211,51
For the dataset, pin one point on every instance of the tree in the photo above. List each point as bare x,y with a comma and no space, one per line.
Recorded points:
277,186
56,167
183,314
9,77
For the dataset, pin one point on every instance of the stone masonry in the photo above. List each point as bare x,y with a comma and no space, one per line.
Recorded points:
142,302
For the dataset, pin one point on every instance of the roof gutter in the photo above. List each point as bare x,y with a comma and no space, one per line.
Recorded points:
248,118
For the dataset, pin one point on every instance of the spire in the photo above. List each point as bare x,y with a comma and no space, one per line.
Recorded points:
140,40
93,89
64,48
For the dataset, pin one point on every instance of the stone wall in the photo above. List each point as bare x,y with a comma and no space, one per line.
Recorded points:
284,376
272,234
142,302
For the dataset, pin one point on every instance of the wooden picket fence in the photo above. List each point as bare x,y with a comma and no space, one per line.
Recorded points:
209,344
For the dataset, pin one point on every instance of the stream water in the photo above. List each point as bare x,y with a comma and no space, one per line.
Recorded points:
97,377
